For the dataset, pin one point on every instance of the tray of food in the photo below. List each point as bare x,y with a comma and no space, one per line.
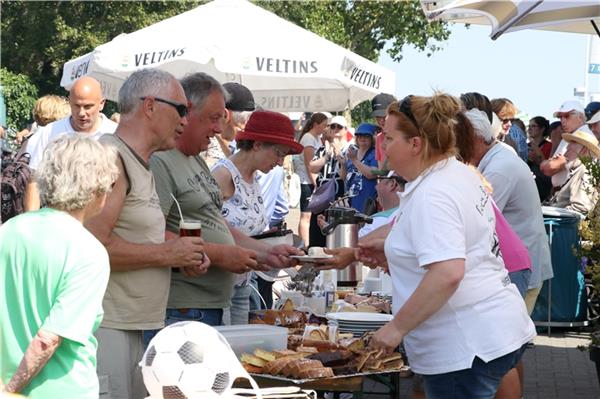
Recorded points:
322,354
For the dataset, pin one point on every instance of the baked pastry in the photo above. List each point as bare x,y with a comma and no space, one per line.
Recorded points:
252,369
264,355
316,251
333,358
253,360
320,372
353,344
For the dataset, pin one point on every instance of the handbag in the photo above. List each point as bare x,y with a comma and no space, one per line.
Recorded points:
514,252
323,196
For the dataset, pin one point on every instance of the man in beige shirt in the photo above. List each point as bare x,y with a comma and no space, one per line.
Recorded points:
154,111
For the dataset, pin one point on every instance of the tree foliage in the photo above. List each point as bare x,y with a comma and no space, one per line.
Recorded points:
39,37
364,27
19,95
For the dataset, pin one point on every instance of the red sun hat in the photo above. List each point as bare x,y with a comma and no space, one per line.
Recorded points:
270,127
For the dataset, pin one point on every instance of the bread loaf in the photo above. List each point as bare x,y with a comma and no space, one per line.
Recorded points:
321,372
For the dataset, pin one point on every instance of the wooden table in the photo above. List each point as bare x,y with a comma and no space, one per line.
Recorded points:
352,384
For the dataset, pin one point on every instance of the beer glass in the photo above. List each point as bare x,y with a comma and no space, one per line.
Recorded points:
190,228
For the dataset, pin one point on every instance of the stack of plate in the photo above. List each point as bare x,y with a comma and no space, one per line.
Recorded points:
358,323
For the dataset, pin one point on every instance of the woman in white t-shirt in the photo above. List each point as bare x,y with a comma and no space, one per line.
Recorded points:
463,324
311,140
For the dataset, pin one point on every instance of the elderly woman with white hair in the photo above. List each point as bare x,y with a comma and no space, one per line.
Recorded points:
54,275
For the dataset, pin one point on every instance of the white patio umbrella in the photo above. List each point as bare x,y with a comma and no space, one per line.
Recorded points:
286,67
578,16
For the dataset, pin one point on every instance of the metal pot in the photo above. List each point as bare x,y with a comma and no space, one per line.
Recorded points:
342,231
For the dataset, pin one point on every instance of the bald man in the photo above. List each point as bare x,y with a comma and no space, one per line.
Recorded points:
86,102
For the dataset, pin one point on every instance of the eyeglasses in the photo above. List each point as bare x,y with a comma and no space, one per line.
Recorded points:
505,121
405,109
398,179
335,126
280,154
182,109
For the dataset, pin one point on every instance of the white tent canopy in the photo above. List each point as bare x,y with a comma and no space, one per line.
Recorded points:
286,67
577,16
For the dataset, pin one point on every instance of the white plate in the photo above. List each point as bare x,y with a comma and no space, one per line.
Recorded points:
360,317
309,259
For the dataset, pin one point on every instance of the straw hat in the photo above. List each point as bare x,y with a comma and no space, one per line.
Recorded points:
585,139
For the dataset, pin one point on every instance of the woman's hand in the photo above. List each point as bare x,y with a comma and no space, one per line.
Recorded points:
387,338
342,257
371,253
352,154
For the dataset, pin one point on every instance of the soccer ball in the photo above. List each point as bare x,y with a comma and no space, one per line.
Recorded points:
188,360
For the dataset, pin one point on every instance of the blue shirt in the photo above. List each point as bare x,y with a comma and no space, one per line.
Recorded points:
520,139
358,187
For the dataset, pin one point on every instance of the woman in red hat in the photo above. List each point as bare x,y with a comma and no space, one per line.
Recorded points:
263,144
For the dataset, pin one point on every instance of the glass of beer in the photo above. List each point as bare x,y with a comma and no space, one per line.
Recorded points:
190,228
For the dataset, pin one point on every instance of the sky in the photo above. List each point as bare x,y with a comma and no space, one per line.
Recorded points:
536,70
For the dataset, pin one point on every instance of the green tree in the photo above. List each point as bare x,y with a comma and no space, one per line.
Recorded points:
365,28
20,96
39,37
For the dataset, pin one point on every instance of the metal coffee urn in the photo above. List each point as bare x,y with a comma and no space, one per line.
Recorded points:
342,231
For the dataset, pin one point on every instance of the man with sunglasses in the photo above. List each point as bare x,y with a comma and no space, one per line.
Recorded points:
154,111
86,102
181,174
572,118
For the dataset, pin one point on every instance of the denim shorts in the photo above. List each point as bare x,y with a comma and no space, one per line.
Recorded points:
521,280
306,191
212,317
481,381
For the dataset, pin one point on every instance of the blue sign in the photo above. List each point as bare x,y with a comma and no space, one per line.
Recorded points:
594,68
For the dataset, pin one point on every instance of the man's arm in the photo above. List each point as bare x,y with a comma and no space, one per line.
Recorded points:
37,354
124,255
273,256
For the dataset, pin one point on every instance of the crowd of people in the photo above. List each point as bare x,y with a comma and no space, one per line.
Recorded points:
96,266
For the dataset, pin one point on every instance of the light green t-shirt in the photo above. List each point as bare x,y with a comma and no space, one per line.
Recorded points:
199,195
54,274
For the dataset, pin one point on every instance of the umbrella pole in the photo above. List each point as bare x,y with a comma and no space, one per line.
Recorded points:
595,26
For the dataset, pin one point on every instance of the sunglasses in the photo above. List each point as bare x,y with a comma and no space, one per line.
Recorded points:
335,126
505,121
405,109
398,179
182,109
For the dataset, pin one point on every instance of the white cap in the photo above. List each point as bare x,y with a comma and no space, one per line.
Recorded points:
595,118
481,124
340,120
569,106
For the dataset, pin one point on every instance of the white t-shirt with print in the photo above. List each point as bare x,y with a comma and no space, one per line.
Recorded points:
308,140
446,214
47,134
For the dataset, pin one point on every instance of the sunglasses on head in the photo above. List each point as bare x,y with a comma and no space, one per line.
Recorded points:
335,126
182,109
405,109
398,179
